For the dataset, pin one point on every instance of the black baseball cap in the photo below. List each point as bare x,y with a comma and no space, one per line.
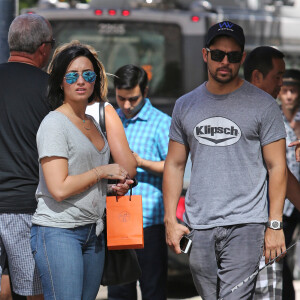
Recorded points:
291,77
226,28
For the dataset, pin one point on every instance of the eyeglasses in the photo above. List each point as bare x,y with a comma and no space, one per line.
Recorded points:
52,42
218,55
88,76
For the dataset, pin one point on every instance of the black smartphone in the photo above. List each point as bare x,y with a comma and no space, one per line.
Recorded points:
185,244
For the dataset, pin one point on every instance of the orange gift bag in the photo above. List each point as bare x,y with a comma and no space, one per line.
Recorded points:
124,218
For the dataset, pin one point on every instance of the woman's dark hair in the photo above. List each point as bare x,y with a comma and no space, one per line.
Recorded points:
129,76
58,67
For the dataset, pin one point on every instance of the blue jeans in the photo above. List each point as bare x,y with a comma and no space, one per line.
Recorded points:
153,260
70,261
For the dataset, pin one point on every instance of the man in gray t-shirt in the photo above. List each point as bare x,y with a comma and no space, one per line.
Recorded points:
236,137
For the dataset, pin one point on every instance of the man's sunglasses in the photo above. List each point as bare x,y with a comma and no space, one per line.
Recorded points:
88,76
218,55
52,42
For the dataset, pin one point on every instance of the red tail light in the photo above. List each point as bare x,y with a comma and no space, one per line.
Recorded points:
112,12
125,13
195,19
98,12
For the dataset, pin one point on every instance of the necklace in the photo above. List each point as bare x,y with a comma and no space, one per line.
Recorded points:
83,121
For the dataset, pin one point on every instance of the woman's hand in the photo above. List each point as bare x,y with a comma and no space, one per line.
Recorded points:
122,187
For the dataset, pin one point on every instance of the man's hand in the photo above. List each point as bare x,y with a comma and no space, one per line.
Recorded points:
139,160
174,233
154,167
297,149
274,244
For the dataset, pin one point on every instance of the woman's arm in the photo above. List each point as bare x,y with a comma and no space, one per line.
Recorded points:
117,141
61,185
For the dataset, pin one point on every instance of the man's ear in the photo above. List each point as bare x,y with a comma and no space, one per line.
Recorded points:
146,92
257,78
204,55
243,57
42,49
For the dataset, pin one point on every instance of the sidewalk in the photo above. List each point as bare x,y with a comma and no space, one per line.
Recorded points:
297,289
102,295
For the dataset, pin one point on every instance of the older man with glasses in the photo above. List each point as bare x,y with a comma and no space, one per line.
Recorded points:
22,107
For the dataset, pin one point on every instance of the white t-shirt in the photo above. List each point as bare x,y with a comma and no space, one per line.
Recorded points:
93,110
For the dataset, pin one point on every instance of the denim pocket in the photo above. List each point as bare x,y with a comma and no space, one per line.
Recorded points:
191,234
34,239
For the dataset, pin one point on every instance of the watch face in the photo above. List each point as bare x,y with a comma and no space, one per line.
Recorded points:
275,224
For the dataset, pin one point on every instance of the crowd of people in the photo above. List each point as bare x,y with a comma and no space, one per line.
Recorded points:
242,205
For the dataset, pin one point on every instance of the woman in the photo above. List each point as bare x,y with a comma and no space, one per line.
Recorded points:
66,237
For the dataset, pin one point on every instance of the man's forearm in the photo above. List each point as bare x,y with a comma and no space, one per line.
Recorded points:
277,191
172,188
154,167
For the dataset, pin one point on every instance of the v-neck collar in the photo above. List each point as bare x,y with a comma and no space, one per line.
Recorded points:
93,120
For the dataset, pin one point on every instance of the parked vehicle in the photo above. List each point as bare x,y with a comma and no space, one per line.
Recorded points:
166,37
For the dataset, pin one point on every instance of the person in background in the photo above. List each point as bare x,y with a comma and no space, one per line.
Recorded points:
264,67
236,137
289,97
67,234
147,132
22,108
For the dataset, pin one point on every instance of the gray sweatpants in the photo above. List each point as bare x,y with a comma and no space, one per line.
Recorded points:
222,257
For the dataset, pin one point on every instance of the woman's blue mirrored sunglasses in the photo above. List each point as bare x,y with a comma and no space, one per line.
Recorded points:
88,76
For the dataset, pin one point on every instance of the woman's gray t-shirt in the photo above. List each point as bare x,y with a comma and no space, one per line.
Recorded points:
58,136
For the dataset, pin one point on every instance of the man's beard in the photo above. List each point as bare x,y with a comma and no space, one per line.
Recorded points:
225,80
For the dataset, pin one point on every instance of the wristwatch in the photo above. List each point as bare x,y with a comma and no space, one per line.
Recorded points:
275,224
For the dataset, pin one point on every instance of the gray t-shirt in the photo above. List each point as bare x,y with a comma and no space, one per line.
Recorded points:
225,135
58,136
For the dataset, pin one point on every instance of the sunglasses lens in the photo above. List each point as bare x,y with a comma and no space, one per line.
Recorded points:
89,76
217,55
234,57
71,77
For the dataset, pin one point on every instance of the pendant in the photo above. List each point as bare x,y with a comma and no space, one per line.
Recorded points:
84,126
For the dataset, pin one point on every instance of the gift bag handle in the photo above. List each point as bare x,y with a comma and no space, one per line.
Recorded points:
130,193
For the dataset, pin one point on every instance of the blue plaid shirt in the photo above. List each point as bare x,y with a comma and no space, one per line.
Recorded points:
293,165
148,135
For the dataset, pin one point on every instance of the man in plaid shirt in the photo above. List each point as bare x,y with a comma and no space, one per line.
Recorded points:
264,67
147,132
289,98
